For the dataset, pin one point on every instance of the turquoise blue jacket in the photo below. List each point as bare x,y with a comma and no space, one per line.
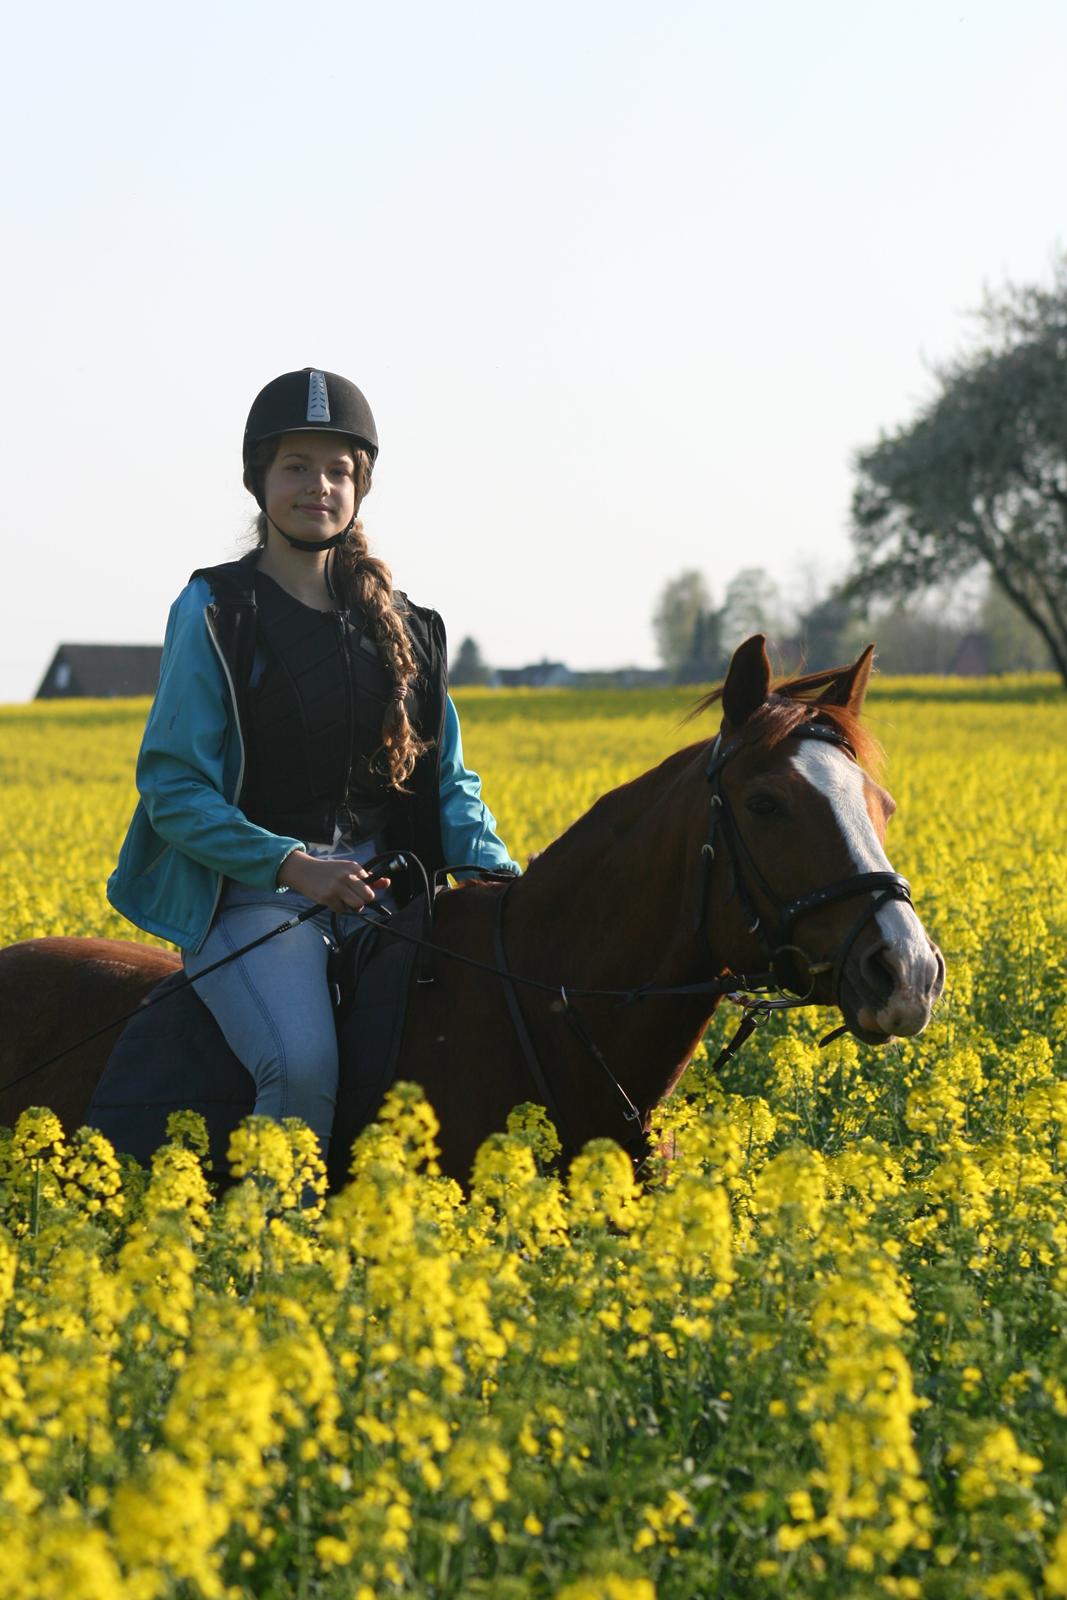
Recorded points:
188,832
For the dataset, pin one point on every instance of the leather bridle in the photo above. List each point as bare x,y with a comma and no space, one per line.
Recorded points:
777,939
775,934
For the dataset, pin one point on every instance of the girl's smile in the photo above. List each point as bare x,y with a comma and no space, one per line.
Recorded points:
311,482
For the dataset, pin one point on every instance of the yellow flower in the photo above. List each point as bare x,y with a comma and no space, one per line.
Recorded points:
998,1464
608,1587
1055,1573
531,1124
478,1470
602,1186
169,1523
333,1552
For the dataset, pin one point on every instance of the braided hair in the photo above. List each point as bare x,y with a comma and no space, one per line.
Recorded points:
362,579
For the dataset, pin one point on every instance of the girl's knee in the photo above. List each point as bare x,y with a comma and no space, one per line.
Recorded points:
309,1082
311,1072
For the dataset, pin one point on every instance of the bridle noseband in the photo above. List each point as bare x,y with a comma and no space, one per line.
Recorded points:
777,941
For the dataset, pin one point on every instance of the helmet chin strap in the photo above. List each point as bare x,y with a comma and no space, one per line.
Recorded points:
312,545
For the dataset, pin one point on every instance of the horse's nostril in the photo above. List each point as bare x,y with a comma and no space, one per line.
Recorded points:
877,973
938,983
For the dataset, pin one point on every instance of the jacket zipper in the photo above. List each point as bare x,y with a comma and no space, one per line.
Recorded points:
350,732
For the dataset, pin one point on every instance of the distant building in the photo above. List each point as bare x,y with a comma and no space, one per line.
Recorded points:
971,659
101,671
623,678
555,675
539,675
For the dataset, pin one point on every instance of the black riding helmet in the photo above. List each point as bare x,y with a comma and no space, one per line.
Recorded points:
308,401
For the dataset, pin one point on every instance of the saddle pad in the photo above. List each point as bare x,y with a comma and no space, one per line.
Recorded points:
171,1056
371,1027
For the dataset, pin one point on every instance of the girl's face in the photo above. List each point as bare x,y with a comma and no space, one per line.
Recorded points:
310,486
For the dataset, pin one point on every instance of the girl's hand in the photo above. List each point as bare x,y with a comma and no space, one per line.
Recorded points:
339,885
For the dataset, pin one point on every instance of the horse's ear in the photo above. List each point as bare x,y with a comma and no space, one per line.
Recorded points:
850,686
747,681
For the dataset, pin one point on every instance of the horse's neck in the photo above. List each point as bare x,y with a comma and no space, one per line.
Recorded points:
612,905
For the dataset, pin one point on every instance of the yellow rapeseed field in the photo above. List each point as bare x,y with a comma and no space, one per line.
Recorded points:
821,1353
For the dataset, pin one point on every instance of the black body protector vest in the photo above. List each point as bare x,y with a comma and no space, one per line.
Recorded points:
312,690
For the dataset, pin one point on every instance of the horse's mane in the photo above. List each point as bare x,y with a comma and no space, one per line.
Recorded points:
791,702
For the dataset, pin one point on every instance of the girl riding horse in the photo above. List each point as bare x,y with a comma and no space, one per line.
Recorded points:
301,727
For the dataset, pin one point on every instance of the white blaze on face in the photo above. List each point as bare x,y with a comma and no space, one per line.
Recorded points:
841,782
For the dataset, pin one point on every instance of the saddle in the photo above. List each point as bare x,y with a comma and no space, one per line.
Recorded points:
172,1056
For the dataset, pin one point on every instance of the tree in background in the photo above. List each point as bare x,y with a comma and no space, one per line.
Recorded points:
909,639
681,603
704,661
825,632
1012,643
752,604
468,667
695,640
980,476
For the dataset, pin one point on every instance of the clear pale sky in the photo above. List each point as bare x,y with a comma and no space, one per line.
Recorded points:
625,288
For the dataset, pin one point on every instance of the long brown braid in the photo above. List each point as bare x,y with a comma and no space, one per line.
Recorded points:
361,579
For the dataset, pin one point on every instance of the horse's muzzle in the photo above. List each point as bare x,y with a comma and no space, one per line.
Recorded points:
888,990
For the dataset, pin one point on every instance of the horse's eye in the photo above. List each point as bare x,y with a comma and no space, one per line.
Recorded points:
763,805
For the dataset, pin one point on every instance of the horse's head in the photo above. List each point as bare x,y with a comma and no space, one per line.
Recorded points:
802,822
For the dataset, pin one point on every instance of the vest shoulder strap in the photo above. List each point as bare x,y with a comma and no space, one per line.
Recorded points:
232,582
427,632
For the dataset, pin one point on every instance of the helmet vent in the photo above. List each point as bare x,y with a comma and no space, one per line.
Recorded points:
318,399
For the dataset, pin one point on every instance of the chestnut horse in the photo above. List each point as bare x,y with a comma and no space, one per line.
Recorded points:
760,847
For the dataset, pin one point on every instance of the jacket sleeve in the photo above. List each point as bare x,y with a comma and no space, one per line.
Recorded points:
468,827
182,766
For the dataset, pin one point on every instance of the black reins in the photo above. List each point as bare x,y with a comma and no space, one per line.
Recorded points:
772,986
378,917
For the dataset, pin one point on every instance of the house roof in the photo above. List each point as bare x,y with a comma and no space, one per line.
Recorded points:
104,670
